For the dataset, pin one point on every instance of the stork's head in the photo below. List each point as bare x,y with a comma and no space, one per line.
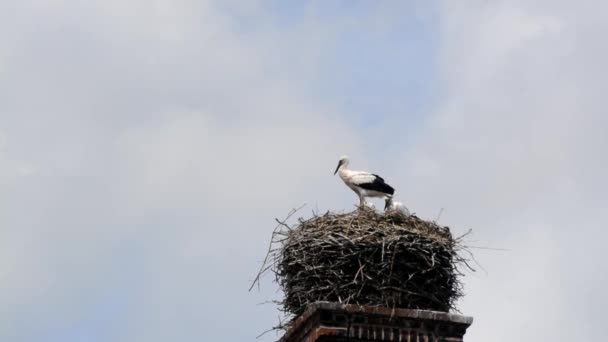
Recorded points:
343,162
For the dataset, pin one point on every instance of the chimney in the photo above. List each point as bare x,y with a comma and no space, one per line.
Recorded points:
334,322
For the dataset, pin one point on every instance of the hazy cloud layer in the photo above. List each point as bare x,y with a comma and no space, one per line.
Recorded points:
145,149
517,152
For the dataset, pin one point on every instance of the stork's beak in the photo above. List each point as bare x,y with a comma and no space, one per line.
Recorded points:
338,167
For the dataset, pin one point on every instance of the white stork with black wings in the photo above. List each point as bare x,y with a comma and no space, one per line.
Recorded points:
364,184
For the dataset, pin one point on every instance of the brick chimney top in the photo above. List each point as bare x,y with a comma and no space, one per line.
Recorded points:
334,322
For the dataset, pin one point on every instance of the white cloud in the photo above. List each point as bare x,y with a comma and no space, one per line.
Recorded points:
514,151
165,142
147,147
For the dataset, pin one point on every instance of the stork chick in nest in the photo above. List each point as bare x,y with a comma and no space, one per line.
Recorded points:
394,206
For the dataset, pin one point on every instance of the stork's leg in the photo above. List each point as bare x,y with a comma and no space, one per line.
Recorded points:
361,201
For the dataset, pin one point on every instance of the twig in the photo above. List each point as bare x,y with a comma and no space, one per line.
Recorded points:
260,272
439,215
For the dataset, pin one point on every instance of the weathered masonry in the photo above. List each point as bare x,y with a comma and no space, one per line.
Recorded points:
333,322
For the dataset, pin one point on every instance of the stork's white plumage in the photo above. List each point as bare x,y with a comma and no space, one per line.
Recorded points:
364,184
394,206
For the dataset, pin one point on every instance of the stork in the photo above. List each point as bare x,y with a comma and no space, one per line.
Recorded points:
364,184
394,206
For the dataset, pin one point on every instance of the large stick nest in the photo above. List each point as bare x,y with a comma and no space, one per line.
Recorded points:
368,258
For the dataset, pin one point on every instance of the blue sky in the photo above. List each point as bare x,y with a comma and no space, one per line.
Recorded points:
386,68
146,148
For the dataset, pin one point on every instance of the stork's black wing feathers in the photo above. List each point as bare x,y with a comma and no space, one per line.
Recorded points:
378,177
378,185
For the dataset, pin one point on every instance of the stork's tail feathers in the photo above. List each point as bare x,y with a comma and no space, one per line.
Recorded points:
377,184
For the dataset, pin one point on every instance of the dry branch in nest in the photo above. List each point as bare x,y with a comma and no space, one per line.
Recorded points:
368,258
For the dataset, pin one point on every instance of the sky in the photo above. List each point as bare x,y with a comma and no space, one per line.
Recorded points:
147,146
